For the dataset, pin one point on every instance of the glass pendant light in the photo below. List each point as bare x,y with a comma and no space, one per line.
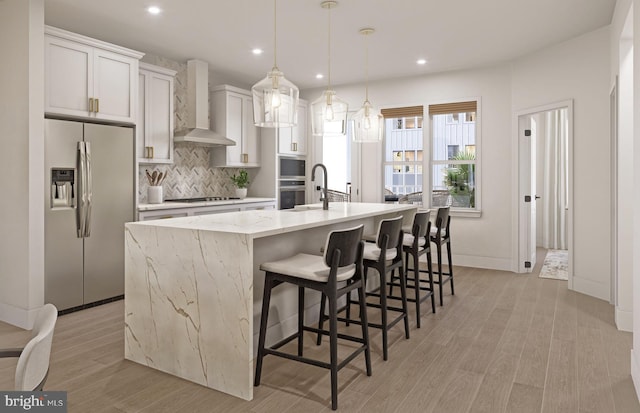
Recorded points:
329,112
275,99
368,122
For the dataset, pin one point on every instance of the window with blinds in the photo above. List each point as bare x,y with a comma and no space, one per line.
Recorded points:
404,154
454,163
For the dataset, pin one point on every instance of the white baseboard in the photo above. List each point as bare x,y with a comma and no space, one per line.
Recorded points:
624,320
635,371
591,288
488,263
16,316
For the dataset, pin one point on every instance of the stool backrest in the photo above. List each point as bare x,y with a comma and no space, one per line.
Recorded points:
421,224
347,242
442,219
392,228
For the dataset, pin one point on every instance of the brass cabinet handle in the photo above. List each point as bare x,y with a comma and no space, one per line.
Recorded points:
97,105
152,154
245,158
90,104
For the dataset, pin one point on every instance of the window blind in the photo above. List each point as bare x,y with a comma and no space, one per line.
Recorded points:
456,107
406,112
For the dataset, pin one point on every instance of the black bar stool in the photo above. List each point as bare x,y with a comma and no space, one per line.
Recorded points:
385,256
415,245
440,235
342,261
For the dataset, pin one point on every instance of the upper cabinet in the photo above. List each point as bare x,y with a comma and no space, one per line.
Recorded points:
232,116
88,78
154,128
293,141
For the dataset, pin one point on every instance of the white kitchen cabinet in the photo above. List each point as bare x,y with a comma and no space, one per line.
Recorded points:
88,78
154,127
293,141
232,116
212,208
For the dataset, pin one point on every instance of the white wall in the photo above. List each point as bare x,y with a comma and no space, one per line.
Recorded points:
579,69
22,159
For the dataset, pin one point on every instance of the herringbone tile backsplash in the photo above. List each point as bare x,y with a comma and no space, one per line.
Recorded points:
190,175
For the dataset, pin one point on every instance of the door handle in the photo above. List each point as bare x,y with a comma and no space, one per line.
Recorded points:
89,191
80,208
537,197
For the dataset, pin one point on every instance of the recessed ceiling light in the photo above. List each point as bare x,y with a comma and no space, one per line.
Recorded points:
257,51
154,10
421,61
319,76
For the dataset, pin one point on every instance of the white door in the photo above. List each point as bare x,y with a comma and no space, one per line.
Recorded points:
527,202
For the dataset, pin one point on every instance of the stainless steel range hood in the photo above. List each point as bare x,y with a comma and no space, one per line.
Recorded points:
197,131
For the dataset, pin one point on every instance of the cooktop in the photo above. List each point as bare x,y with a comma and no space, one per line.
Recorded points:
202,199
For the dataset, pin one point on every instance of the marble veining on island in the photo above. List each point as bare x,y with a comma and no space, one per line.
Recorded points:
189,285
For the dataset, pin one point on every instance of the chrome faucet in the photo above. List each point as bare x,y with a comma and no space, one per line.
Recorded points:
325,198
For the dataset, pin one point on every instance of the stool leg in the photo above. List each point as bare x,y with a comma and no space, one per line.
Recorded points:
403,293
333,343
416,284
300,320
450,264
348,310
383,309
433,292
440,285
266,297
365,329
323,299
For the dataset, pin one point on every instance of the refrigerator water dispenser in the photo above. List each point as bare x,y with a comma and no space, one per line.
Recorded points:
62,193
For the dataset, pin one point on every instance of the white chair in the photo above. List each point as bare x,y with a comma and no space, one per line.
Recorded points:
33,361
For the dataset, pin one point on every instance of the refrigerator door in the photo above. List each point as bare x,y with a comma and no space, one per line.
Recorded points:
63,248
111,204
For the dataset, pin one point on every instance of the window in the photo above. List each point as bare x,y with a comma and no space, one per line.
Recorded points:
454,170
452,151
404,154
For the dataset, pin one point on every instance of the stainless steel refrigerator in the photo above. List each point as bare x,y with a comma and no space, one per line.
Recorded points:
89,195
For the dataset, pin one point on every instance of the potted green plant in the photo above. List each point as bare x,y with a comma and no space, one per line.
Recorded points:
241,181
457,181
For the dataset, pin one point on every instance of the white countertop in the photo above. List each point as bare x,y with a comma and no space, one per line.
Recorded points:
263,223
173,205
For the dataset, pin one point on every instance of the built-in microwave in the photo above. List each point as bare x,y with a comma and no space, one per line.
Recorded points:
292,168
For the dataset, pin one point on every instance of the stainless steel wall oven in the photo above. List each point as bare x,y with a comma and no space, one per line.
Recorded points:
291,182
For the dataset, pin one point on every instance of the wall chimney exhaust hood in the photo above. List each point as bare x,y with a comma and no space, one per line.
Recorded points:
197,131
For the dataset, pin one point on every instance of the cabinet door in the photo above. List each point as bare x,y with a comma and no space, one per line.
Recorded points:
299,132
160,127
293,141
250,142
141,124
114,86
69,77
234,119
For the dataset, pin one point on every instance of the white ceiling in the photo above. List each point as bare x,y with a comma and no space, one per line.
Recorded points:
450,34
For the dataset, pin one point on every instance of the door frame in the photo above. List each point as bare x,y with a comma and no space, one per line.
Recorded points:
518,204
613,113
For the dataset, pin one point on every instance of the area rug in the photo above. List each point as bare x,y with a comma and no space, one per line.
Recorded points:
556,265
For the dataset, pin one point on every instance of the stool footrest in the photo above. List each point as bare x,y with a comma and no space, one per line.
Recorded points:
314,362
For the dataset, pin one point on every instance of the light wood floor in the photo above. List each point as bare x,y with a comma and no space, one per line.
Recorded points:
503,343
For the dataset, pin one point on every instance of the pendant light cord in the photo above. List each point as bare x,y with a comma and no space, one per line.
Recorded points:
329,46
366,66
275,29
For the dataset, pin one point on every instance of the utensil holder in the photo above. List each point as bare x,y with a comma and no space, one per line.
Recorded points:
154,195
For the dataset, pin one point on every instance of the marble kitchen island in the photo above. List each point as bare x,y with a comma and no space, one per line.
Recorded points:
193,287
